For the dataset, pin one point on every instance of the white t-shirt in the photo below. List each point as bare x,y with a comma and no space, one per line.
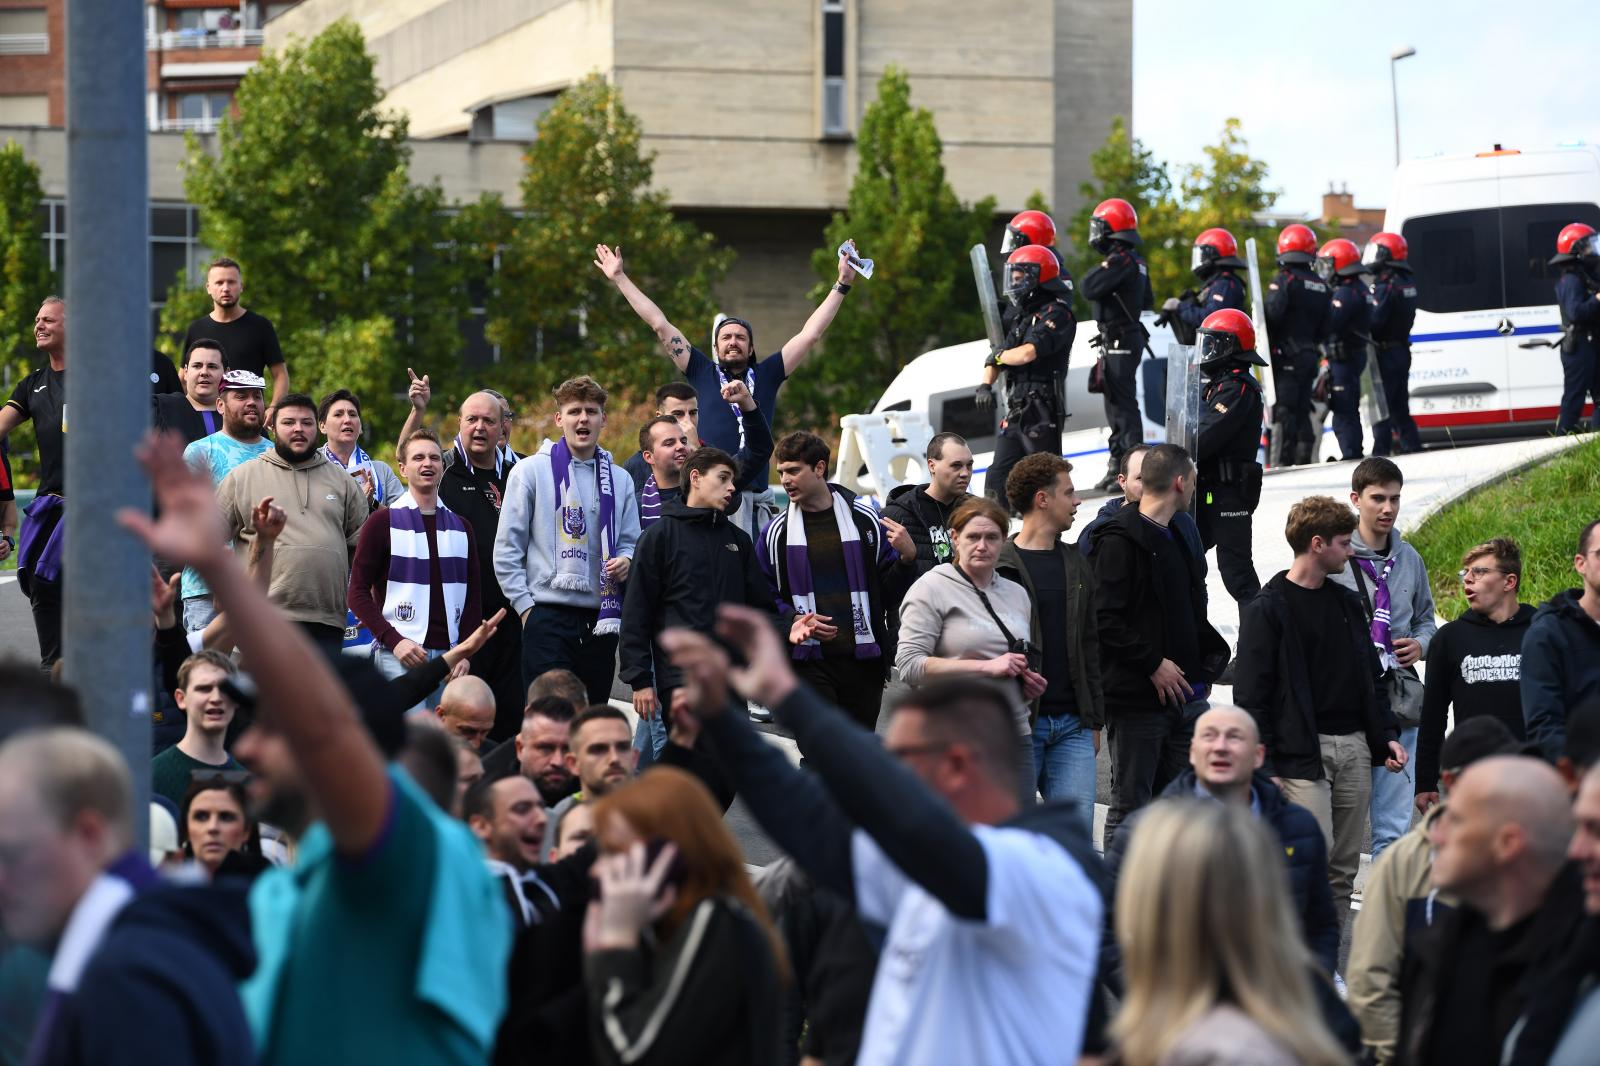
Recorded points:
1013,989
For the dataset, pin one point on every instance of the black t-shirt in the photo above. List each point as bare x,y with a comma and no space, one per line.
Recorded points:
7,490
1317,620
164,378
42,399
249,342
477,499
1049,576
829,581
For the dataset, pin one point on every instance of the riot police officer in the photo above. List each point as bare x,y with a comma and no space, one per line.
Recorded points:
1297,315
1392,308
1213,260
1229,486
1578,256
1118,287
1032,363
1344,344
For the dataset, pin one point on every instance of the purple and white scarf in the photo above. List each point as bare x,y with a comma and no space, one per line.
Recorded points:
359,460
1381,637
572,534
802,590
409,591
749,383
649,502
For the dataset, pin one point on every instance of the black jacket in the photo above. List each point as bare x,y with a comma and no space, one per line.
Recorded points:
1305,853
162,986
912,507
683,566
1131,605
1083,636
1272,682
1296,304
1474,666
1433,960
1560,669
1118,288
479,504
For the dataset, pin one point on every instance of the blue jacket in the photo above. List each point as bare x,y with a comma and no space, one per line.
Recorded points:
1560,669
162,986
1223,290
1305,853
1394,308
1580,310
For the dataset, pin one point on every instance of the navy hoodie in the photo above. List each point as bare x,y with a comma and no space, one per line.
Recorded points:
1560,669
162,986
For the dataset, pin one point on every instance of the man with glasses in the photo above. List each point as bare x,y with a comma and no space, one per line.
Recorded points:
1475,662
1561,655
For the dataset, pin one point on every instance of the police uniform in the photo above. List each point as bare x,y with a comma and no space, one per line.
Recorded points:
1297,315
1033,391
1119,288
1345,345
1580,345
1392,309
1229,485
1224,289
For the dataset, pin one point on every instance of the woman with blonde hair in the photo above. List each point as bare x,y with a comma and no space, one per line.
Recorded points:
682,960
1215,966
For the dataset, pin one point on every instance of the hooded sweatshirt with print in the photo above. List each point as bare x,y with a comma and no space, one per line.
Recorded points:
311,557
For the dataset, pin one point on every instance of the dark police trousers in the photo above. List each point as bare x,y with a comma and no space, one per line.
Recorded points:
1293,378
1223,514
1121,399
1011,448
1580,377
1344,399
1394,365
557,637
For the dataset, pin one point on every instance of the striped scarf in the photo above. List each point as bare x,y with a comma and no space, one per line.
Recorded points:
409,592
358,460
790,529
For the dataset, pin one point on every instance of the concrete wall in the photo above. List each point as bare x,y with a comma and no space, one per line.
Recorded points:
1093,85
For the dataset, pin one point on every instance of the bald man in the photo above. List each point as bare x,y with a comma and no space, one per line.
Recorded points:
1225,760
466,710
1500,848
474,481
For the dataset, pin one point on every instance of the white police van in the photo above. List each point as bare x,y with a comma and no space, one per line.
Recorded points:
1480,231
941,382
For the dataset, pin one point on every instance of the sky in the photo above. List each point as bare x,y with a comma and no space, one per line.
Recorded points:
1310,83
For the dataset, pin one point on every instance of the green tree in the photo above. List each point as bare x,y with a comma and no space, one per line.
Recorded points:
587,179
361,271
25,274
1230,190
1124,168
904,215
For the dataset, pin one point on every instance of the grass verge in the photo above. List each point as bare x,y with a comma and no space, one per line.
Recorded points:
1542,509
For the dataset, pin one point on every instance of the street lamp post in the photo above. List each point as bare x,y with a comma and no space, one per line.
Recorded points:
1404,52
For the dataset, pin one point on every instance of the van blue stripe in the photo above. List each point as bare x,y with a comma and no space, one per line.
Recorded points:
1477,334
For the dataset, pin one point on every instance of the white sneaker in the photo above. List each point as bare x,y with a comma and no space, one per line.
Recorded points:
759,713
1339,986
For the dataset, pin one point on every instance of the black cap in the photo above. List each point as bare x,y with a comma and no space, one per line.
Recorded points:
1477,738
367,687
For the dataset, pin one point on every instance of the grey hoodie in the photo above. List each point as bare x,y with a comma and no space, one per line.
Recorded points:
1410,595
525,543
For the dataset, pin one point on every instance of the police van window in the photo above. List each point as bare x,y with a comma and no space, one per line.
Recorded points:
1530,242
957,412
1456,260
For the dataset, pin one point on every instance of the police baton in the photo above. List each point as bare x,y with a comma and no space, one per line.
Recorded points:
1144,333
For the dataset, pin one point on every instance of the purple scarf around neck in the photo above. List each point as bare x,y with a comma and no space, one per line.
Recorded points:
1381,637
570,523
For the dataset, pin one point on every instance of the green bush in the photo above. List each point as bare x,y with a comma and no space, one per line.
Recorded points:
1542,509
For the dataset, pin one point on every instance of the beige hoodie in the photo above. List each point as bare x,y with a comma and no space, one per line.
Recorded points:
311,559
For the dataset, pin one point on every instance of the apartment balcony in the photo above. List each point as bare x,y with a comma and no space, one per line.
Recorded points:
177,40
27,44
188,125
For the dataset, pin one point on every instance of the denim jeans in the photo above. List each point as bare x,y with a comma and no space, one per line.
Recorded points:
1393,798
391,667
198,611
1063,753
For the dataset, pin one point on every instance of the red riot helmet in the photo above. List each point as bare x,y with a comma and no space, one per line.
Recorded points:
1026,269
1568,239
1213,250
1385,249
1028,227
1296,244
1338,258
1113,220
1227,335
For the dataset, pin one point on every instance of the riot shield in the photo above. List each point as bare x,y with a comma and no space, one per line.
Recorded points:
1258,313
987,301
1183,398
1374,402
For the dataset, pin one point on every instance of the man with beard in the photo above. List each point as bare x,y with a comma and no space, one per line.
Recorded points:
723,424
311,561
362,946
240,404
249,339
192,413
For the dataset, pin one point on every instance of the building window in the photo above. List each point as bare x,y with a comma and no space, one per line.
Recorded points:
198,111
30,110
835,97
24,32
175,252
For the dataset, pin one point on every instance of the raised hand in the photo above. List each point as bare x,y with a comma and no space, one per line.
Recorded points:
420,391
609,262
190,530
268,519
899,539
164,598
735,391
474,641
